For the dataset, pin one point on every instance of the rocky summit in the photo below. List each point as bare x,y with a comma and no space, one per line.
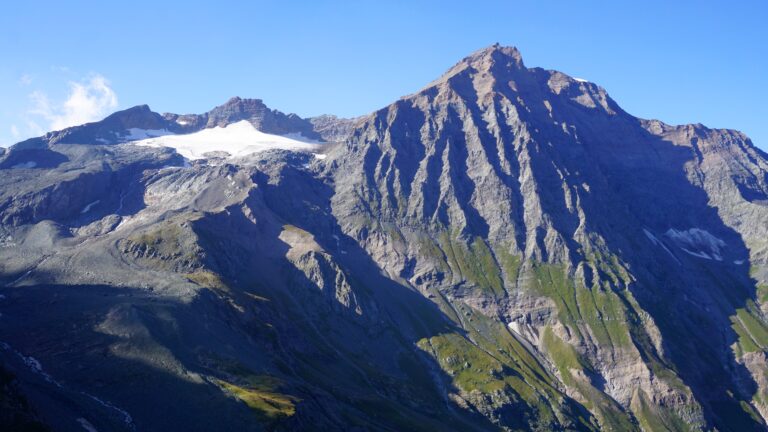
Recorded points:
506,249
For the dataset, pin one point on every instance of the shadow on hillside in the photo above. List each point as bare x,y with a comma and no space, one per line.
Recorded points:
357,359
404,316
41,158
640,182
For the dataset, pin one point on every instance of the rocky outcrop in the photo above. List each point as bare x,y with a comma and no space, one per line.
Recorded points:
505,187
506,249
333,129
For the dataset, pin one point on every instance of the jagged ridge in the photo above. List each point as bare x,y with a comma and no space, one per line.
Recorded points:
505,249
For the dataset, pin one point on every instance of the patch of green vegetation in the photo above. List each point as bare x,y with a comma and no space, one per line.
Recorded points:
165,232
474,262
295,229
751,411
603,312
551,281
259,394
494,337
168,240
755,323
609,266
762,293
655,418
574,370
164,238
563,355
429,249
215,283
262,393
751,330
744,343
761,396
490,360
470,367
208,279
599,308
510,264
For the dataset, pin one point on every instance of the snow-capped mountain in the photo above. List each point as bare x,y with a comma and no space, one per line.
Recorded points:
141,122
506,249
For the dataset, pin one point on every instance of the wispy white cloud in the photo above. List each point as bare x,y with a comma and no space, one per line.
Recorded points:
15,131
26,79
88,100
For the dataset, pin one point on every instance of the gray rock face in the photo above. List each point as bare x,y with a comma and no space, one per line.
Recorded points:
506,249
332,128
495,176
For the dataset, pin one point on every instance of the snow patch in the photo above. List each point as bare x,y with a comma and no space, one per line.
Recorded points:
236,139
86,425
320,156
697,242
657,242
88,207
581,80
134,134
34,365
182,122
127,419
738,262
698,254
25,165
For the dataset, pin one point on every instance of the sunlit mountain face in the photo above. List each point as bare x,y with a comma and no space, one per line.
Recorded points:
506,249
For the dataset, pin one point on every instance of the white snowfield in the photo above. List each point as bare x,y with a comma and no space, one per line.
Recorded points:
236,139
140,134
698,242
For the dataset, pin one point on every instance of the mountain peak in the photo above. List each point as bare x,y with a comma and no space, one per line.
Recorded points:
133,114
238,101
488,59
495,52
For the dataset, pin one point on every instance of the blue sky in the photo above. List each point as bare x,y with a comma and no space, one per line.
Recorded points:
678,61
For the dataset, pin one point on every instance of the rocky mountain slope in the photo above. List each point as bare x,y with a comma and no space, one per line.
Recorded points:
506,249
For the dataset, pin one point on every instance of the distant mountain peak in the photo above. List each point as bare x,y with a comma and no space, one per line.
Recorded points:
493,60
495,52
119,126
